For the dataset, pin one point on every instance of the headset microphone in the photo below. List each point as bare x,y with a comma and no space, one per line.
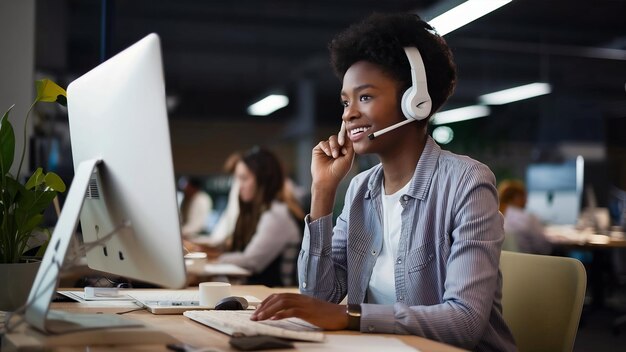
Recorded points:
390,128
416,103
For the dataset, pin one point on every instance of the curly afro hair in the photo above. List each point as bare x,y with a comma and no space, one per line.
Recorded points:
380,39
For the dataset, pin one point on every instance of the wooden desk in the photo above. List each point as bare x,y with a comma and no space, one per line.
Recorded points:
200,270
198,335
584,239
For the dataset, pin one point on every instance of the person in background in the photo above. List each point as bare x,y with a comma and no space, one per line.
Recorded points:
194,208
222,232
416,248
525,228
267,220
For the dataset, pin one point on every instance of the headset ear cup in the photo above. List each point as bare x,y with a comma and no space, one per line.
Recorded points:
406,104
422,109
412,107
416,101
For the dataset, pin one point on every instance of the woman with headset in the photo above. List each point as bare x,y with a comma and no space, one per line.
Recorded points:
416,248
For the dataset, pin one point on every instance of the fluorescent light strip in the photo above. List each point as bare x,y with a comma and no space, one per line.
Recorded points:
460,114
463,14
268,105
514,94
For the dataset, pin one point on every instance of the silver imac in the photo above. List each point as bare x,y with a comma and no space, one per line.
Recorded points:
123,189
555,191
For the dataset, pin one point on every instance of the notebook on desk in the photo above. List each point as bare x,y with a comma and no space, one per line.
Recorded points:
175,301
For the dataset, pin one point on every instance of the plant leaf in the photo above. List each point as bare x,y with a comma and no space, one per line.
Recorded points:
24,201
42,249
49,91
13,188
31,202
43,201
55,182
7,144
30,224
35,180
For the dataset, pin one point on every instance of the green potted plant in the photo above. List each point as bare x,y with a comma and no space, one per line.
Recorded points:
22,206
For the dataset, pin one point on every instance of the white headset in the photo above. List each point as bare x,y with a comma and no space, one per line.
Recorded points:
416,103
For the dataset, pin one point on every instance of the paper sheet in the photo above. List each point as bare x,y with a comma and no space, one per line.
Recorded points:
357,342
80,296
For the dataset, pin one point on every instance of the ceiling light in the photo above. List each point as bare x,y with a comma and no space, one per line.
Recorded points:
514,94
443,134
460,114
463,14
268,105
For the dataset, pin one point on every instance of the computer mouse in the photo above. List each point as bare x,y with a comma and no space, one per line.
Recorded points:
232,303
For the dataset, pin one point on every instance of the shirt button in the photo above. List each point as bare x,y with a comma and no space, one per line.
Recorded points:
402,298
399,261
405,197
304,285
370,328
373,252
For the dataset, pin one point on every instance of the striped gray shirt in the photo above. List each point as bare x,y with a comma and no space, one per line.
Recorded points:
448,285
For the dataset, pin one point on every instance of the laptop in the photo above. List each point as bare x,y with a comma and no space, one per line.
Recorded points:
175,301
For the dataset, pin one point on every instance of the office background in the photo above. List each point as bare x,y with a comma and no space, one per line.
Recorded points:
221,56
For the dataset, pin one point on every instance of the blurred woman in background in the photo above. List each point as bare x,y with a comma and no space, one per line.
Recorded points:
526,229
268,221
195,207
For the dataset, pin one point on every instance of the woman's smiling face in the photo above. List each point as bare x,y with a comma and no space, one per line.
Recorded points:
371,102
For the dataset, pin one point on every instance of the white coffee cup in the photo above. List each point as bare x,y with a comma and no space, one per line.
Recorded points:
213,292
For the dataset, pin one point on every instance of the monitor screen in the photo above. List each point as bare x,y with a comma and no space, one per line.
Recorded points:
555,191
117,113
123,187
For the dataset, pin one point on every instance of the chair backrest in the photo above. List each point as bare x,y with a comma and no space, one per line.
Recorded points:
289,265
542,299
510,242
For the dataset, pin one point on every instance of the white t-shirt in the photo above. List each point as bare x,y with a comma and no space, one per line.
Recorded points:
200,207
382,285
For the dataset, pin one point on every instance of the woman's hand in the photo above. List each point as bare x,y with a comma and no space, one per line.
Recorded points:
331,160
211,251
330,163
328,316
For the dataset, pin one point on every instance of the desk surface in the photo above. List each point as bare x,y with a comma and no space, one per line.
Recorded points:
566,235
199,335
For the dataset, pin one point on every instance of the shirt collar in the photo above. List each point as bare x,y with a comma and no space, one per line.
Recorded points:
420,182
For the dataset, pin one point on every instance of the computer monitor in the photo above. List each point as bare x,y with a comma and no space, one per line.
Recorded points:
123,188
555,191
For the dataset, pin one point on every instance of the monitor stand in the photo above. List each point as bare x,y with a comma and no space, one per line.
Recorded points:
61,328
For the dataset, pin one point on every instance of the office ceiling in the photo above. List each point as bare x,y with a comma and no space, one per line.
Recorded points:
220,56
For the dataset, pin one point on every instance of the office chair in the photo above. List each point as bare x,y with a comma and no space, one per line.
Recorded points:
542,299
289,265
510,242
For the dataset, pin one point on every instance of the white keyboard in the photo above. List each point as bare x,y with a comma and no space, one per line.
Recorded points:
234,322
